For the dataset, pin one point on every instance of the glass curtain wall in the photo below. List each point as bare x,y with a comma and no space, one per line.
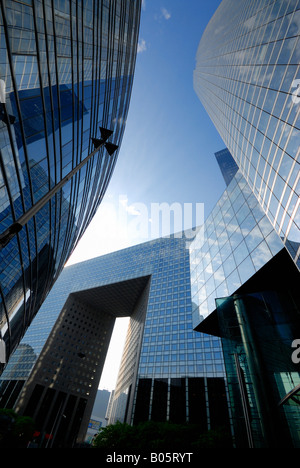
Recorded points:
247,77
66,69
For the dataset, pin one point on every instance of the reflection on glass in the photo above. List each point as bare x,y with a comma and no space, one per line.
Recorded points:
240,251
245,76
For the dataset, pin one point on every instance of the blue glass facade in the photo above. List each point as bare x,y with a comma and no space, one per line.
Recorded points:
213,319
244,287
245,259
246,76
66,69
227,165
235,242
258,326
168,371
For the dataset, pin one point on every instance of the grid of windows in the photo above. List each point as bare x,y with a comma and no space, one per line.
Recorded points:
66,69
227,165
246,76
152,283
236,240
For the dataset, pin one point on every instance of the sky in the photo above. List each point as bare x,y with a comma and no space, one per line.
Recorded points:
166,158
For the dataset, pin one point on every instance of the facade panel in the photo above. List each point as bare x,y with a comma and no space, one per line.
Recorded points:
227,165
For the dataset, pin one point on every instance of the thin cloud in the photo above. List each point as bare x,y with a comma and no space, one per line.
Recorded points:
166,14
131,209
141,46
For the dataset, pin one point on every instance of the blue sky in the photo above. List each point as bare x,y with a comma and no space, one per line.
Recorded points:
167,153
169,135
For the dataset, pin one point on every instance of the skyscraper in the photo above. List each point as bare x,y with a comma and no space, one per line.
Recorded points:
227,165
66,77
245,290
245,265
168,371
246,76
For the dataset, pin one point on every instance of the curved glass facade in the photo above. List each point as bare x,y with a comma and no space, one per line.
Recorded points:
66,69
247,76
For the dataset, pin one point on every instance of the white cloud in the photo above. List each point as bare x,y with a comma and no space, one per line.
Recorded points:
133,211
141,46
166,14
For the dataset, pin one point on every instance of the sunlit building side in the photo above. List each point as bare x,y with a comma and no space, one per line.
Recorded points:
247,77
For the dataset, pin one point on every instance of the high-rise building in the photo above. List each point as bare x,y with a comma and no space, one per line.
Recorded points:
245,264
168,371
66,78
247,76
227,165
245,290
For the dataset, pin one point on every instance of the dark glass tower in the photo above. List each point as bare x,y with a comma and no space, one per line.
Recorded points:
66,69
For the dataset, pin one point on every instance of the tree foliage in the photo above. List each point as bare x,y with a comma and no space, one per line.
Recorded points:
15,430
159,436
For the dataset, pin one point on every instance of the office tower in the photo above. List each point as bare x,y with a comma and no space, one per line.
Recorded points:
247,76
245,263
66,78
245,289
168,371
227,165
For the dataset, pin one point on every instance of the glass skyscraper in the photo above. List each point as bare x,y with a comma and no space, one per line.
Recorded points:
168,371
246,76
245,260
227,165
65,84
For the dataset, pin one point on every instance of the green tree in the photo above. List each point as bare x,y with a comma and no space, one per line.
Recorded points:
159,436
215,438
15,430
119,436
